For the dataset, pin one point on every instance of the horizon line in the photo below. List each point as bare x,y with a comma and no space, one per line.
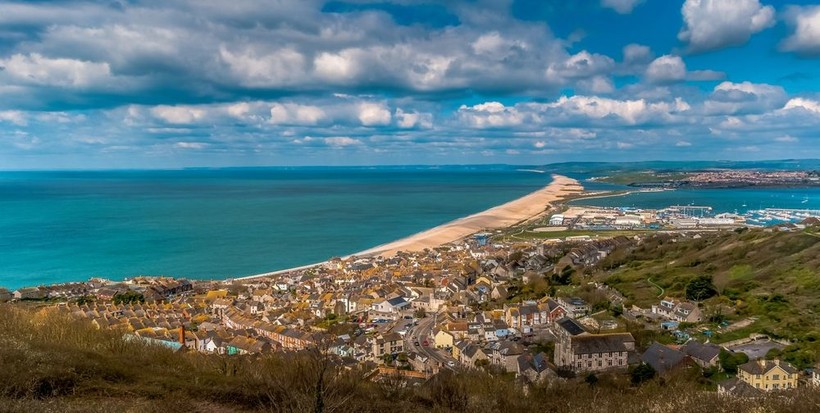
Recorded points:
412,165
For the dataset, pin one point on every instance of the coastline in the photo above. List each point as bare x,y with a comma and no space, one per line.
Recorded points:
505,215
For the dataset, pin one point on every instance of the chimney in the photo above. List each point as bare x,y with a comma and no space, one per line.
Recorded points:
182,335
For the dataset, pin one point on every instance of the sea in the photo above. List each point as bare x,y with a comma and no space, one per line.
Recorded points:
223,223
63,226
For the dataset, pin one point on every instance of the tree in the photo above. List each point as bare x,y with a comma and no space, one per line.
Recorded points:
591,379
420,313
700,288
642,373
729,361
128,297
617,310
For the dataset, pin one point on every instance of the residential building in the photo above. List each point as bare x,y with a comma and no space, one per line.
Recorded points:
704,355
662,358
578,350
768,375
678,311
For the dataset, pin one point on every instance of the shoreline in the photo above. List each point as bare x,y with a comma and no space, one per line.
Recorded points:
519,210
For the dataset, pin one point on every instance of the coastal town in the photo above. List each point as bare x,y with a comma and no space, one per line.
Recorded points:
475,303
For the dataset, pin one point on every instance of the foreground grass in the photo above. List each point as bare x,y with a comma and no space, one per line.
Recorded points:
51,363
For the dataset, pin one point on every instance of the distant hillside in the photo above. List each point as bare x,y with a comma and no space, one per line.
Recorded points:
51,363
768,274
673,166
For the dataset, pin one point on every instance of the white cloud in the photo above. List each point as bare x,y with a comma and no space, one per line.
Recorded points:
683,144
40,70
732,98
579,66
179,114
621,6
278,68
490,115
630,111
338,67
803,104
13,116
373,114
786,138
637,53
190,145
666,69
341,141
806,37
413,119
296,114
574,109
715,24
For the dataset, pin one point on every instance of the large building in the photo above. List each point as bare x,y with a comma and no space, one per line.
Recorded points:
580,351
768,375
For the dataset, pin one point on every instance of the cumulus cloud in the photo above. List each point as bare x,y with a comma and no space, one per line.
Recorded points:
734,98
621,6
571,110
666,69
808,105
341,141
373,114
179,115
278,68
413,119
582,65
637,54
296,114
715,24
70,73
806,37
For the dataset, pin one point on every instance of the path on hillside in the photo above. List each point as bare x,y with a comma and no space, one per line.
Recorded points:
649,280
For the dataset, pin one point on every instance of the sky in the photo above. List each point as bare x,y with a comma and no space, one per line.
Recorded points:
180,83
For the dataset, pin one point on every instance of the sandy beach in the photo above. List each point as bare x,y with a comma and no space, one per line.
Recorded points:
520,210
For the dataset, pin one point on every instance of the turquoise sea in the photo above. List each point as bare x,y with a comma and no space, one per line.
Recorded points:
221,223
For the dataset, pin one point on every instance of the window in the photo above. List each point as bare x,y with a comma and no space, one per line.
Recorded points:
589,364
775,386
600,363
610,363
775,377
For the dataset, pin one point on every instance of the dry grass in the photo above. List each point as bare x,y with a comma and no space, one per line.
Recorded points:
51,363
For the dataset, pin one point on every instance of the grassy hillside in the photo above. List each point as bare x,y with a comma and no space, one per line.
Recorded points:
772,277
53,364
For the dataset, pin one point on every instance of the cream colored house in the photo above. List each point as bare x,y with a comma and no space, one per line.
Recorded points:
444,339
768,375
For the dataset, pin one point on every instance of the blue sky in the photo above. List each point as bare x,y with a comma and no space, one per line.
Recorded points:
146,84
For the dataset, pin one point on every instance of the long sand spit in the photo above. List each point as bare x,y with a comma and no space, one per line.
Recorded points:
503,216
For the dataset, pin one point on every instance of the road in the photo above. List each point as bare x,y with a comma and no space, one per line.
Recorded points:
420,333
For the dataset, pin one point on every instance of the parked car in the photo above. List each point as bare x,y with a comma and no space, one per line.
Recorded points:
416,343
451,363
425,343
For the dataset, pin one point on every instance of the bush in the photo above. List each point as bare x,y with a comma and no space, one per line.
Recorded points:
700,288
